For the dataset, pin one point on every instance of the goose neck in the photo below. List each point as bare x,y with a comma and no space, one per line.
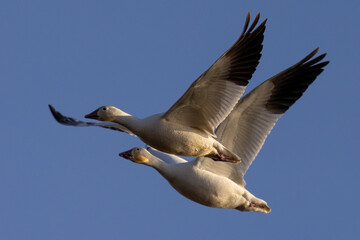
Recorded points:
130,122
162,167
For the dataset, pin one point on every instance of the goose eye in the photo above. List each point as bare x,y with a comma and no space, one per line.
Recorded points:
104,108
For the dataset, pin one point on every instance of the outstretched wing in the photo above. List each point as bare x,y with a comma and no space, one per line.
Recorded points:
244,131
168,158
77,123
214,94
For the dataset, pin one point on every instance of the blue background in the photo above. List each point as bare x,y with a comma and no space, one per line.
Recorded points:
60,182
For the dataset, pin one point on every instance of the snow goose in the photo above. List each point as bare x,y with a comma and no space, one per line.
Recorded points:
187,128
221,184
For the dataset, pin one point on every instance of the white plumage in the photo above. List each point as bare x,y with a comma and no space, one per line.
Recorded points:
187,128
221,184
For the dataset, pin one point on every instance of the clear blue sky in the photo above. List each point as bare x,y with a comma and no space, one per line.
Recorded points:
59,182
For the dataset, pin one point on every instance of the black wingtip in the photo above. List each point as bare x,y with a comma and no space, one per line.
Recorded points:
290,84
58,116
256,20
52,109
246,23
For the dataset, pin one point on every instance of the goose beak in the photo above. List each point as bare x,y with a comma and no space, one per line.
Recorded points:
127,155
92,115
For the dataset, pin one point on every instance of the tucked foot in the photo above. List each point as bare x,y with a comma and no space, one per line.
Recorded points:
223,158
254,207
260,207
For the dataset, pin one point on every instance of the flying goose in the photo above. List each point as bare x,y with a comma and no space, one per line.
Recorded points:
221,184
187,128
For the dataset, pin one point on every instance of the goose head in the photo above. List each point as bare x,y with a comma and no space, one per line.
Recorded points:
106,113
136,155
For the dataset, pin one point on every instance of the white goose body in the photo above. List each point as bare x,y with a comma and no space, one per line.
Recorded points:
170,137
212,190
200,185
221,184
187,128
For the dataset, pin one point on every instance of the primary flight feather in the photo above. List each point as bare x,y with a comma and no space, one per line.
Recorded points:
187,128
221,184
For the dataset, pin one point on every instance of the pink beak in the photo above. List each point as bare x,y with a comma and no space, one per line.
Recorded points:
92,115
126,155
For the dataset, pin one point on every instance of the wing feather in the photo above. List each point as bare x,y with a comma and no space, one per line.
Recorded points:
213,95
69,121
245,130
168,158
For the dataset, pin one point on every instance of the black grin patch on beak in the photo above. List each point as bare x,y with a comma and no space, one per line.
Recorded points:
92,115
126,155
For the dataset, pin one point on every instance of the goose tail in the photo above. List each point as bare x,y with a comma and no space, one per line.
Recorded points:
255,206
